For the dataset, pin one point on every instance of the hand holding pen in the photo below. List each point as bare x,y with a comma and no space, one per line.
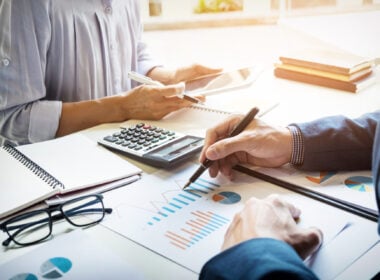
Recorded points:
148,81
238,128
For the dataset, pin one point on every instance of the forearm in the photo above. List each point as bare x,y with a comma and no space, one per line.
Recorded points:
76,116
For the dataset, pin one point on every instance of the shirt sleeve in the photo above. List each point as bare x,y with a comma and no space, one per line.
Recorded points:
25,114
338,142
146,61
260,258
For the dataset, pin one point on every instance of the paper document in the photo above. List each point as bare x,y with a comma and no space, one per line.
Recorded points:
71,256
188,226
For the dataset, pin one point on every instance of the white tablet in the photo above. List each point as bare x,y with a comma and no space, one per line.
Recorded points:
223,81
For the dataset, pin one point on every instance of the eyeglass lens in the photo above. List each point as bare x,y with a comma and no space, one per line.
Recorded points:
85,211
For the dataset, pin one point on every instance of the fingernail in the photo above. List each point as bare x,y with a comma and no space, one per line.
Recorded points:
211,153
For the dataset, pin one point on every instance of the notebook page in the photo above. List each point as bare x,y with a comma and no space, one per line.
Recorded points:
20,187
78,162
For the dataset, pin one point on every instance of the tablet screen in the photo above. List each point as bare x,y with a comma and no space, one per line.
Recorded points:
221,81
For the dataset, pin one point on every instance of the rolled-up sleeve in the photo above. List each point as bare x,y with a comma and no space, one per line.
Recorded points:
25,116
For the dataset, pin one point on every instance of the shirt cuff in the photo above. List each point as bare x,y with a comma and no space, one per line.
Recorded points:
44,120
298,147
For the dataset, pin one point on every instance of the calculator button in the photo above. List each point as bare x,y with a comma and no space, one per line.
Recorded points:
171,133
125,143
162,137
110,138
137,148
140,125
131,146
134,139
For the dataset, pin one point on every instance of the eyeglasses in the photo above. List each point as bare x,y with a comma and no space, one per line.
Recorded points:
33,227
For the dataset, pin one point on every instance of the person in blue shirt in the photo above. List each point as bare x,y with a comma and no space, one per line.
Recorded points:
64,67
263,241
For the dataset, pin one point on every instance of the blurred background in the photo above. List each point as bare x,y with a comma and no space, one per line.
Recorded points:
179,14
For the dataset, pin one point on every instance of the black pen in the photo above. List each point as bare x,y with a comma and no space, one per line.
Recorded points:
238,128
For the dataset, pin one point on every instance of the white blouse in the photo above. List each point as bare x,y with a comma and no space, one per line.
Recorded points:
54,51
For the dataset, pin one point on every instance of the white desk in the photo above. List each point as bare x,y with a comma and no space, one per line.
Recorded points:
232,47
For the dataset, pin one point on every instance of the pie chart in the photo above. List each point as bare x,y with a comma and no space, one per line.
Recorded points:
55,267
24,276
226,197
359,183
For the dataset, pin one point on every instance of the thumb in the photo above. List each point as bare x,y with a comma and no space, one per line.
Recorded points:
309,242
170,90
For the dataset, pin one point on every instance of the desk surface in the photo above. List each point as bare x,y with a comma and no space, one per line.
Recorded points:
231,48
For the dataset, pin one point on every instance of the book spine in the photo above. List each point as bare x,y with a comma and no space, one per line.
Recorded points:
34,167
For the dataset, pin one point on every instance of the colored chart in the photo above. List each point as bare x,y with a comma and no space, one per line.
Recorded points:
55,268
323,176
24,276
226,197
196,229
359,183
182,199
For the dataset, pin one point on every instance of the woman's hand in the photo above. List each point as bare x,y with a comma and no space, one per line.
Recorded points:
182,74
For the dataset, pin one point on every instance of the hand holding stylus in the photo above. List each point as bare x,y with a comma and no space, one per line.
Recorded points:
238,128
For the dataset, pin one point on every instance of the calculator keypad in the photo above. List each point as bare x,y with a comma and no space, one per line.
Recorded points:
140,138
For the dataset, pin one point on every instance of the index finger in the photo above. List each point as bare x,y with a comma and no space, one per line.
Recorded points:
218,132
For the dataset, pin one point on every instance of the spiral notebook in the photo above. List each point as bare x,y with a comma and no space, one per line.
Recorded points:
34,172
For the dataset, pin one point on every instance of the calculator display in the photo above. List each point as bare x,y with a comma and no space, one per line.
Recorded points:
177,148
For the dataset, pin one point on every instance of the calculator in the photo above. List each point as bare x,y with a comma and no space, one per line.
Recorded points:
153,145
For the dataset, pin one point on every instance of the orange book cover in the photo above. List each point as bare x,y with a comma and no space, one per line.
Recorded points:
353,86
326,60
336,76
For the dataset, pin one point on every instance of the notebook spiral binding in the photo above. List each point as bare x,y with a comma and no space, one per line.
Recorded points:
203,108
34,167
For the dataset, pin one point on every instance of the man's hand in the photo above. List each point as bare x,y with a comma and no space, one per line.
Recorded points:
259,144
275,218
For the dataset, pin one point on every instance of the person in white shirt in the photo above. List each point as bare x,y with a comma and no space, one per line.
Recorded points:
64,66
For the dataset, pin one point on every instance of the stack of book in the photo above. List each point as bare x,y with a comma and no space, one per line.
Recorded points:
326,68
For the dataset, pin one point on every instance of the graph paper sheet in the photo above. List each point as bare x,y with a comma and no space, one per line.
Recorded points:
188,227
